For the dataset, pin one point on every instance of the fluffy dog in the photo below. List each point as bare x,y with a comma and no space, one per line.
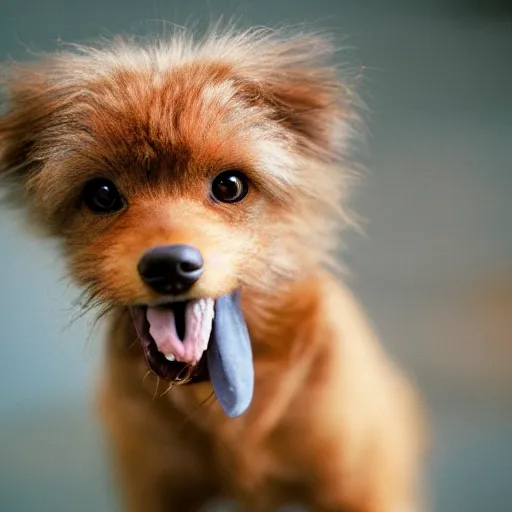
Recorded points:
198,188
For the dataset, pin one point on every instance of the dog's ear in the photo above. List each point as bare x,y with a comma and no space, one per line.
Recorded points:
295,77
25,111
35,104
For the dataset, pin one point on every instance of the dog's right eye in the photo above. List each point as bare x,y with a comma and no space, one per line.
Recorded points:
102,196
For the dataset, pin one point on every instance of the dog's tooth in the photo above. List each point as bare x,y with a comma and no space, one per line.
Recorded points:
170,357
209,306
196,308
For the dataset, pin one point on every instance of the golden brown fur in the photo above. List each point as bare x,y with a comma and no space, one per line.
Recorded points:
332,424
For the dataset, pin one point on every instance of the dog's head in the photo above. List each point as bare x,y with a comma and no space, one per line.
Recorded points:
180,170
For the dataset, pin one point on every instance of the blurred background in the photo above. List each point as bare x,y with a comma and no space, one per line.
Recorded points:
434,268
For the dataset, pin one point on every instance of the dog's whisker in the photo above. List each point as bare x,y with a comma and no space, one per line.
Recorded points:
135,341
156,388
207,401
179,380
149,372
171,385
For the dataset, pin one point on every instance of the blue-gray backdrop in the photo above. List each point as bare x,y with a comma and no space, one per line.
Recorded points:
434,269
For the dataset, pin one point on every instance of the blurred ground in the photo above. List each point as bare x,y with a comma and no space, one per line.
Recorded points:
434,271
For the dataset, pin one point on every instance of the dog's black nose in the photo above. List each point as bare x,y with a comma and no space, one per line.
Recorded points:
171,268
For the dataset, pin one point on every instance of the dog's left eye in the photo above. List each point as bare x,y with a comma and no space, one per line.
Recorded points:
230,187
102,196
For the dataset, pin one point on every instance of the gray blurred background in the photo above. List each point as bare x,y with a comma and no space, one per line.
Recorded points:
434,268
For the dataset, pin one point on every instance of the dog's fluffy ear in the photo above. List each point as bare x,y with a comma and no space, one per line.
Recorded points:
35,105
25,110
294,76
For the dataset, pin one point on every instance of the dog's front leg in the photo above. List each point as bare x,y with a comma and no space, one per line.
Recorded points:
157,472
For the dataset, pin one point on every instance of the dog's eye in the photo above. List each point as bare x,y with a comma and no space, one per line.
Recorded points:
230,187
101,196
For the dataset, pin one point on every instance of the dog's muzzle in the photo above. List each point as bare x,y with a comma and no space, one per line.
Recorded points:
194,339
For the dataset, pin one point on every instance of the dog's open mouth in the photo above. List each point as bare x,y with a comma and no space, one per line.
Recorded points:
199,339
175,337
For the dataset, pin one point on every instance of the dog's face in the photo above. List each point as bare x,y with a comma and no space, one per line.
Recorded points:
178,172
182,163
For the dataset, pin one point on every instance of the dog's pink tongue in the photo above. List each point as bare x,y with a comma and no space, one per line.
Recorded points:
198,326
162,327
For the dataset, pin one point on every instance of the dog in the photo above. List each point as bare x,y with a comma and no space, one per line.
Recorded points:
198,188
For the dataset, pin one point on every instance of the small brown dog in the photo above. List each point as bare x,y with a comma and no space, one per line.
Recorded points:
178,174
